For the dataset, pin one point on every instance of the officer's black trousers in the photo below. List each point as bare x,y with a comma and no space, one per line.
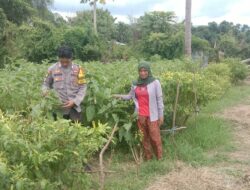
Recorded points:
73,115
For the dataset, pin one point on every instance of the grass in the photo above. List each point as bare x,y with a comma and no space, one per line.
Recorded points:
205,134
127,179
208,133
235,95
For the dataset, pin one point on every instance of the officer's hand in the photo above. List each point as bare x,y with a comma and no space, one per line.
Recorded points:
69,104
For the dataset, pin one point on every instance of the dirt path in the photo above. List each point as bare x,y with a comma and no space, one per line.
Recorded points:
233,174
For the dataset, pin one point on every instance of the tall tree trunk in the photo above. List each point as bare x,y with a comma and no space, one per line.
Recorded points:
94,16
188,34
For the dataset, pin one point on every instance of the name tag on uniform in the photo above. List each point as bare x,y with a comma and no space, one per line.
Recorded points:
75,71
58,74
57,71
56,79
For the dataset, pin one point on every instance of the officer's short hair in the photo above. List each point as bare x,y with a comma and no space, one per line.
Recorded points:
65,52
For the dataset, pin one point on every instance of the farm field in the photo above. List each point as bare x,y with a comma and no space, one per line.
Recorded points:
38,152
146,95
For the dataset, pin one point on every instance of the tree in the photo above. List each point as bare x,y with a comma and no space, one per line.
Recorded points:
166,46
157,33
3,22
106,22
85,44
225,27
245,28
157,22
93,3
17,11
213,33
228,44
199,44
188,34
41,7
134,29
39,41
123,32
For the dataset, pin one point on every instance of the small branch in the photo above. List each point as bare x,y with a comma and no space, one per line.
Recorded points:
102,173
137,157
93,171
98,171
133,153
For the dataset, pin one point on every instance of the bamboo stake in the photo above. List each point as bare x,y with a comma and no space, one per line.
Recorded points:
102,173
175,105
170,130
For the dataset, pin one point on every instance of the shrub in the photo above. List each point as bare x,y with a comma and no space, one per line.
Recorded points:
220,74
239,71
191,85
39,41
155,58
41,154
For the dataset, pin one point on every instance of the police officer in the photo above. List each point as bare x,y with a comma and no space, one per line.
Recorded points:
68,80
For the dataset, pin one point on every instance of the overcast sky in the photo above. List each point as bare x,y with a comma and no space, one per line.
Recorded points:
203,11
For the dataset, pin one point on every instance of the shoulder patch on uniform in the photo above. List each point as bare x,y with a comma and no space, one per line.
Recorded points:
81,76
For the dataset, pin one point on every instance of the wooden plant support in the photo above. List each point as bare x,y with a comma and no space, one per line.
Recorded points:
102,172
173,129
195,100
176,104
174,117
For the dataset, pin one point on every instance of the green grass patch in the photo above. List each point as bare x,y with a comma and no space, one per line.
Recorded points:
235,95
206,134
127,178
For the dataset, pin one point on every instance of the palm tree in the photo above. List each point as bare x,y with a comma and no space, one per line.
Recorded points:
188,34
93,3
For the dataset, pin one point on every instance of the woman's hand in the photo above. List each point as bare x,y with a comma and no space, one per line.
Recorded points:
160,121
116,96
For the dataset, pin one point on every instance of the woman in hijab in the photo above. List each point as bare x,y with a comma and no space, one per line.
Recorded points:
146,93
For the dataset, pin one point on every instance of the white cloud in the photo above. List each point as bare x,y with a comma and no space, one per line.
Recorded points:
65,3
121,18
113,3
237,12
122,3
234,10
65,15
178,6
